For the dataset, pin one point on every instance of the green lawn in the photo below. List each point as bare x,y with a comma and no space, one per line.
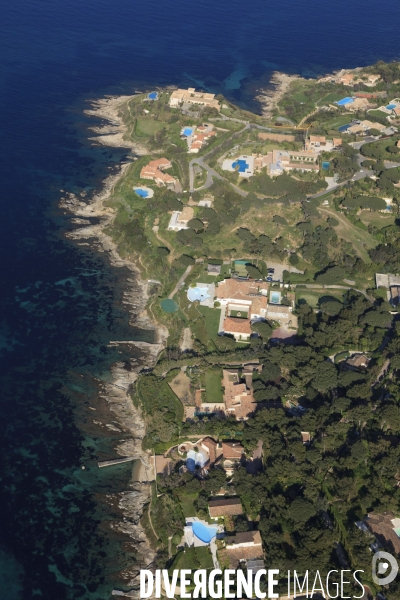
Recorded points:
187,504
377,113
312,297
330,98
238,313
211,316
379,220
212,383
147,127
192,558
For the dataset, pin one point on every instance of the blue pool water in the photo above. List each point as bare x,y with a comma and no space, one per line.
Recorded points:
141,193
275,297
152,96
344,127
204,532
242,164
188,131
326,165
343,101
391,106
197,293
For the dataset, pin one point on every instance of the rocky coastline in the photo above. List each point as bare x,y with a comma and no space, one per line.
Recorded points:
89,218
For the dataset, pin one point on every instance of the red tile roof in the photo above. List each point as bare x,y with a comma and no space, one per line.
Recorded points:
211,446
237,325
245,537
224,507
232,450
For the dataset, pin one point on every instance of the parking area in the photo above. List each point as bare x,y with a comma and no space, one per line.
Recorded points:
279,268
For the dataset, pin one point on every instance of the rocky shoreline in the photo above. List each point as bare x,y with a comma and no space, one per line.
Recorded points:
89,218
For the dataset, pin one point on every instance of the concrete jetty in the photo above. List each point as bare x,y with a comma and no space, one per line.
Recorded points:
116,461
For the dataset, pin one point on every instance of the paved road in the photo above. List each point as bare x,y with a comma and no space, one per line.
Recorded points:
181,280
211,172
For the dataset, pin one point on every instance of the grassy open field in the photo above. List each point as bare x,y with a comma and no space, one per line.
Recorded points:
377,219
146,127
313,297
361,240
212,383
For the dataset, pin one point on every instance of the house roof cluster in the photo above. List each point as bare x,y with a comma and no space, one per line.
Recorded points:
200,136
285,160
245,538
232,450
186,215
358,361
395,294
351,78
225,507
241,295
238,398
214,269
237,325
190,96
154,170
245,546
237,290
211,446
319,143
385,527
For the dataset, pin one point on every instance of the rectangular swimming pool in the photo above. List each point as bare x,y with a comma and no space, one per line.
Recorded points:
275,297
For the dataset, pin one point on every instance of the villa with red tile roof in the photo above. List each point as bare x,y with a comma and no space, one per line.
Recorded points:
238,398
190,96
224,507
241,302
245,545
154,171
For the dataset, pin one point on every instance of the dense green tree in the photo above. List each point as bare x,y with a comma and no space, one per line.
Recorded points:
196,225
325,377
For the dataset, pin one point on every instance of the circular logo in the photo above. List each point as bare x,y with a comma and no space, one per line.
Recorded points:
382,567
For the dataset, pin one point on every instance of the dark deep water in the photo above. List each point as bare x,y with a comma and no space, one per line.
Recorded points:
61,304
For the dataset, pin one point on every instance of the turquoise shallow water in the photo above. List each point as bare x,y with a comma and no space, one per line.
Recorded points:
62,305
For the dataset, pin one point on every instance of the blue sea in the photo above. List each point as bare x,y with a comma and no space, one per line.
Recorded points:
62,303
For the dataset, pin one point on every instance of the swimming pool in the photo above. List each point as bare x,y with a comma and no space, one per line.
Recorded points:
275,297
204,532
152,96
391,106
187,131
242,164
142,193
197,293
343,101
326,165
